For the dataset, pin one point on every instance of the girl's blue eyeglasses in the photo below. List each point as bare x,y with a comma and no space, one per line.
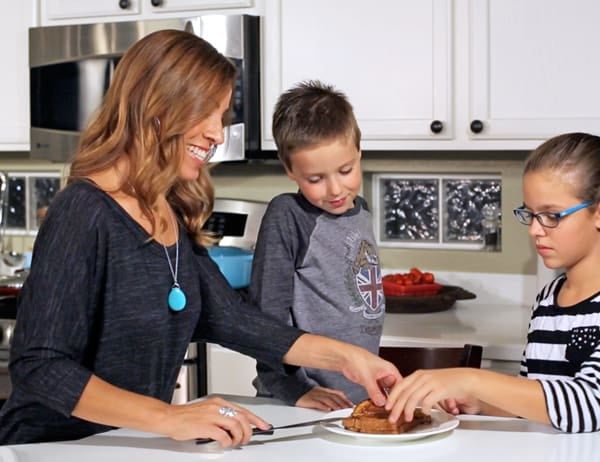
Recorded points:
546,219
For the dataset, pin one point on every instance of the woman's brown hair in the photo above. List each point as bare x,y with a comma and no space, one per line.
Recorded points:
163,85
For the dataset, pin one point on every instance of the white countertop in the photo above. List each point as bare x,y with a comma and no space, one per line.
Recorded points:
500,328
475,439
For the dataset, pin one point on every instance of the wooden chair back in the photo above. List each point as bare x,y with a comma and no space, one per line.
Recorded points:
409,359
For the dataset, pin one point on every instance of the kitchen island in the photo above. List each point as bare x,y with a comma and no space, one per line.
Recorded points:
475,439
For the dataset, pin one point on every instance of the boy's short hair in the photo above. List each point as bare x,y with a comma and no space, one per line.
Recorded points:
311,113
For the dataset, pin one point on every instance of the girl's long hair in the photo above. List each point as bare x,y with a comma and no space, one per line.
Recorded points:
163,85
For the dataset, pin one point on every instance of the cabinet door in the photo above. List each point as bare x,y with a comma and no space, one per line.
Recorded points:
170,6
390,57
534,68
15,21
229,372
57,10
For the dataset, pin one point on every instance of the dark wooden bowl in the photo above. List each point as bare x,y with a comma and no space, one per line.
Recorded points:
444,300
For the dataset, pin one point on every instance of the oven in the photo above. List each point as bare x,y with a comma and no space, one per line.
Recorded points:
7,324
236,222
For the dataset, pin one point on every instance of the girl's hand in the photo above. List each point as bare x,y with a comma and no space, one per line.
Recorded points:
425,388
215,418
468,405
324,399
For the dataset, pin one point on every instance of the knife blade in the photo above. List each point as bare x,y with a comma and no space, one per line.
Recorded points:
269,431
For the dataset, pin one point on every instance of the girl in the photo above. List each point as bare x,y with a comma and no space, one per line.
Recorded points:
559,380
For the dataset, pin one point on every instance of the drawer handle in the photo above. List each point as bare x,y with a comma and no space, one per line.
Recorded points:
476,126
436,126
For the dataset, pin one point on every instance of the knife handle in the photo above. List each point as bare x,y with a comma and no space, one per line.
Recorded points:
255,431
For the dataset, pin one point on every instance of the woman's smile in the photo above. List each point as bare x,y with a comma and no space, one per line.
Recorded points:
200,153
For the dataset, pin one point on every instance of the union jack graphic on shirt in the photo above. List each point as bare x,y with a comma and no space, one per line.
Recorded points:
370,288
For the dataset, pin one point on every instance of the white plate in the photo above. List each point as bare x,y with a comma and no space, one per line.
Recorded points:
440,423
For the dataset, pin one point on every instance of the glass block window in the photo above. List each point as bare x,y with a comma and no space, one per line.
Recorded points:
438,211
27,196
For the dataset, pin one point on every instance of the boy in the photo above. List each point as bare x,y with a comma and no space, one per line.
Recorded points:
316,264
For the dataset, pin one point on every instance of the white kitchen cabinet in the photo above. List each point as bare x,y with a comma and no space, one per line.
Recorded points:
534,67
492,74
229,372
15,21
54,12
390,57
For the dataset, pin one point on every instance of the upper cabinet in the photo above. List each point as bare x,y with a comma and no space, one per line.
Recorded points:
534,70
421,74
15,21
390,57
53,12
441,74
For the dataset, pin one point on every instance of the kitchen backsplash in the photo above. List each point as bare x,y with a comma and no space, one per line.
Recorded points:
261,181
504,169
29,194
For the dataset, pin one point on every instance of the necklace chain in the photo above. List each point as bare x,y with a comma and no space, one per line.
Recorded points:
173,271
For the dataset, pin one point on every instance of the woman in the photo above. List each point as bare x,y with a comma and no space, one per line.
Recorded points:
120,281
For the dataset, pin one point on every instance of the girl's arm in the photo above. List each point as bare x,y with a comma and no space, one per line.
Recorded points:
481,390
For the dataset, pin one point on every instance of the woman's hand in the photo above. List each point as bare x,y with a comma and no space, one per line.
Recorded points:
215,418
357,364
372,372
324,399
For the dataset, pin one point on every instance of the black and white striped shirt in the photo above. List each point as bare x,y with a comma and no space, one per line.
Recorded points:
563,354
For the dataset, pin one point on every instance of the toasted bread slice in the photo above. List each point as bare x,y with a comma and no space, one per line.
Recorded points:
368,418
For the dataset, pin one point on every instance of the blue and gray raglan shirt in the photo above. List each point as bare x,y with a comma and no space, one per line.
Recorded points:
319,272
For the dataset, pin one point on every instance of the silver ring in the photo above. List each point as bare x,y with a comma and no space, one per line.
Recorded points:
227,411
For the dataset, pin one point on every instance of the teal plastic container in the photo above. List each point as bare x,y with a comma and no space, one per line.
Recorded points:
234,262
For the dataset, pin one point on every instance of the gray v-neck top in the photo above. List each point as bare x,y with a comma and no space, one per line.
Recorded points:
95,302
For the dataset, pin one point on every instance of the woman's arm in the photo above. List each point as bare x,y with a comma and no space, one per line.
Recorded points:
357,364
106,404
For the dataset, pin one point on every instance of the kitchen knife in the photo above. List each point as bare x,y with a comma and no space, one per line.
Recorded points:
269,431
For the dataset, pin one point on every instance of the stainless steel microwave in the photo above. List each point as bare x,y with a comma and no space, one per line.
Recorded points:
71,68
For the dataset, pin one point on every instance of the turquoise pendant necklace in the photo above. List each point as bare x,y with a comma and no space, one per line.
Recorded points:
176,299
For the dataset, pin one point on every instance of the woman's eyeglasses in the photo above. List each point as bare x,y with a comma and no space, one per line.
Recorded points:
546,219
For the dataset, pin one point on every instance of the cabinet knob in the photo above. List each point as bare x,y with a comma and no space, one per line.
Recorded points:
436,126
476,126
124,4
156,2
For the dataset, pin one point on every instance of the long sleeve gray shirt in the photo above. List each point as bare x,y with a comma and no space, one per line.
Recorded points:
95,302
321,273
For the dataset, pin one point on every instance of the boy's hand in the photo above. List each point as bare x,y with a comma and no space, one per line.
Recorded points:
324,399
